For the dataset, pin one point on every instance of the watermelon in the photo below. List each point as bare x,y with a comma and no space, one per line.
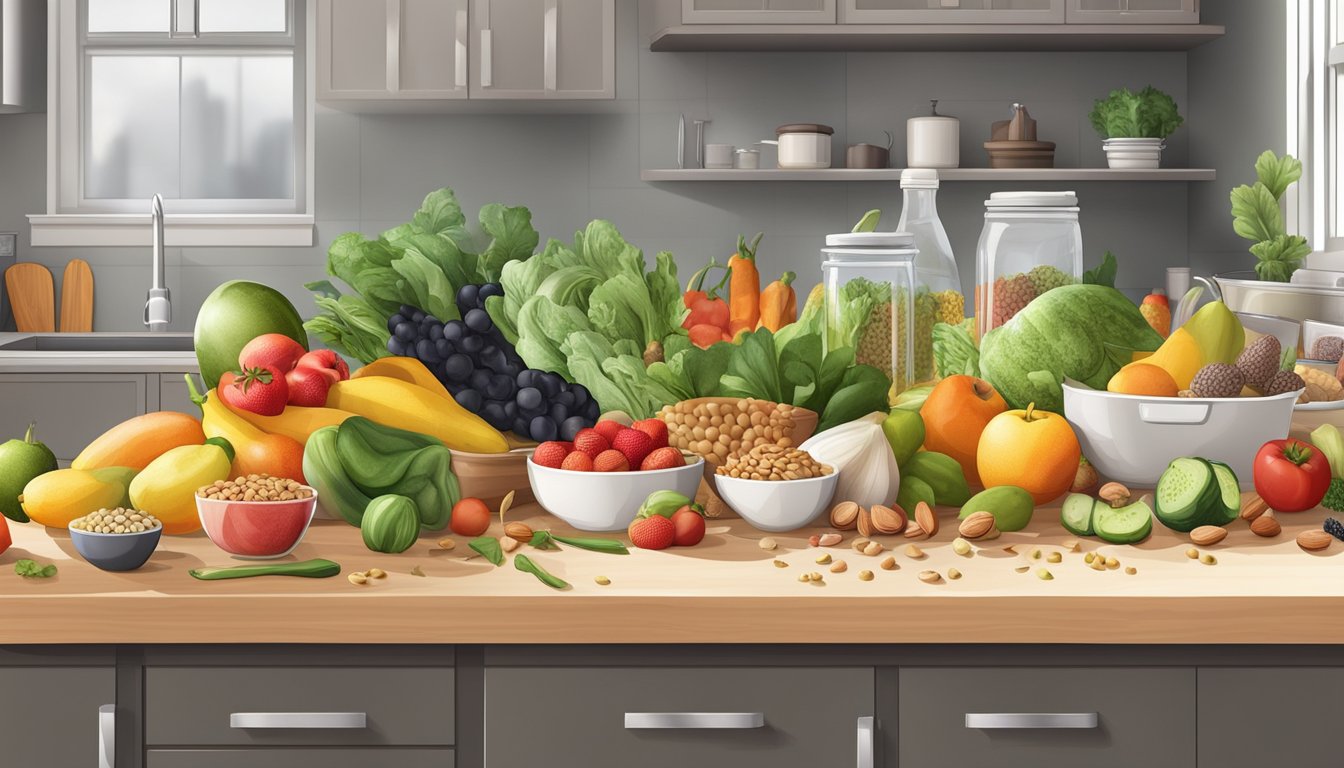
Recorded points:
234,314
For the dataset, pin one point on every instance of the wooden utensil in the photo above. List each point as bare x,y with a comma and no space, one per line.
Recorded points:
32,296
77,297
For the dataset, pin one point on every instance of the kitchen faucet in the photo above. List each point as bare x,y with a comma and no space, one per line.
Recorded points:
158,306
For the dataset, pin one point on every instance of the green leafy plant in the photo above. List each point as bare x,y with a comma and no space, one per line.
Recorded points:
34,570
1148,114
1257,217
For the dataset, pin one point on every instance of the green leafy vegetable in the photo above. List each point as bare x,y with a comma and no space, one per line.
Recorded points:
1279,258
955,350
525,564
1148,114
33,570
1104,274
1334,495
1256,216
488,547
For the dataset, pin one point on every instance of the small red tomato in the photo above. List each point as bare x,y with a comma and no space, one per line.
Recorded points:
470,517
1290,475
308,387
271,349
689,526
328,362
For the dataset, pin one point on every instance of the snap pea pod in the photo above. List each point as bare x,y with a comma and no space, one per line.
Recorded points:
312,569
610,546
525,564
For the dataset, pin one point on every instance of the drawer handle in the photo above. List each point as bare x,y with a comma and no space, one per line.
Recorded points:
298,720
689,720
107,736
866,731
1026,720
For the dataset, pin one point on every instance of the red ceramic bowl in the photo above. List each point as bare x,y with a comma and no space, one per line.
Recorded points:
256,530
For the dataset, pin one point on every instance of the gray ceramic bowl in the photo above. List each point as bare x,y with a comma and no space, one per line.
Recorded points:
116,551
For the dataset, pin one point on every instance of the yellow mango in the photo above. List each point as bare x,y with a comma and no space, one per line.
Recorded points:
167,487
1211,335
56,498
1179,356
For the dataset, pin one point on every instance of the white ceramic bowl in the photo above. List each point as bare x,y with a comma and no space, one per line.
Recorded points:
777,505
607,501
1132,438
1133,153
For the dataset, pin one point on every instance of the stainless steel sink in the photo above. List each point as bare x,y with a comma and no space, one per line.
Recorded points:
100,342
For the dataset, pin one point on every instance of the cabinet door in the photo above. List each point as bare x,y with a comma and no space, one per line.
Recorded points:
544,49
352,49
1254,717
952,11
392,49
1133,12
758,11
70,409
432,61
289,758
49,715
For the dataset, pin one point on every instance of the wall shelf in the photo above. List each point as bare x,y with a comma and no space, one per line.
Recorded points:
935,37
947,174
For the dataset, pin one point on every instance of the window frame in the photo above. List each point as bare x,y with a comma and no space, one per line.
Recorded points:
71,219
1315,70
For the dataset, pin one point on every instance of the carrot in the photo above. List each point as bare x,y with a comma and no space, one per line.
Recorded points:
779,304
744,288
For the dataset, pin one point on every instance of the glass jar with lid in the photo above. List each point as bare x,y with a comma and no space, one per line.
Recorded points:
876,305
935,266
1030,243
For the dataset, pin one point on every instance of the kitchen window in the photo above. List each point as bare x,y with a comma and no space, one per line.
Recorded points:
1315,206
205,102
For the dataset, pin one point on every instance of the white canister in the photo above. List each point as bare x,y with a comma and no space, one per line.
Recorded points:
803,145
933,141
747,159
719,155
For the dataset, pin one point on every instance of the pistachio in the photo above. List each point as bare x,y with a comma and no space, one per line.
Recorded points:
953,574
357,578
816,577
824,559
829,539
1114,494
913,551
872,548
781,564
1192,553
376,573
889,563
804,577
1035,554
839,566
1054,557
1089,557
447,543
1044,575
858,543
602,580
1208,559
930,577
1111,562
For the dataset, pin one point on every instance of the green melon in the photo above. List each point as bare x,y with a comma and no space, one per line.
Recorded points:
234,314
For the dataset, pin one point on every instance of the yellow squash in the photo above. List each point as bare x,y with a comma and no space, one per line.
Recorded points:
167,487
296,422
403,405
55,498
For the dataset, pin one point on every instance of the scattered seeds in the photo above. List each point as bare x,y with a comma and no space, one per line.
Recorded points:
1208,559
930,577
961,546
872,548
814,540
1022,568
508,543
1035,554
1089,557
1131,570
824,559
768,544
357,578
376,573
505,505
889,563
1044,574
1192,553
839,566
858,543
913,551
1010,549
865,575
781,564
953,574
602,580
816,577
416,571
1111,562
1054,557
447,543
1072,545
804,577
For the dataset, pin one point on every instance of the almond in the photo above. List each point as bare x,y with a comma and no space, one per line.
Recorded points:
519,532
914,530
1266,525
976,525
1313,541
845,516
1253,508
829,539
926,518
888,519
864,523
1207,535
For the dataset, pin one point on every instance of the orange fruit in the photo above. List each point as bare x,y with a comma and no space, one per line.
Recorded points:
1034,450
1143,379
955,413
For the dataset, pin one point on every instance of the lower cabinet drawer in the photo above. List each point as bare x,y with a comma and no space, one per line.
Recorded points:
255,706
1143,717
299,758
1256,717
580,716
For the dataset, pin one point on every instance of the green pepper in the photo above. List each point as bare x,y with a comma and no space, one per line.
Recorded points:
383,460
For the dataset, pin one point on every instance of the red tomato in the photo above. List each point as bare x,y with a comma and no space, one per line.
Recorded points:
688,525
470,517
1290,475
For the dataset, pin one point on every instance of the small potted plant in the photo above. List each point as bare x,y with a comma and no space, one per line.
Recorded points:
1134,126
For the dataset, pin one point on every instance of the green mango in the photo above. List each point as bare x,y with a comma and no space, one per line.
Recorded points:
1011,506
943,474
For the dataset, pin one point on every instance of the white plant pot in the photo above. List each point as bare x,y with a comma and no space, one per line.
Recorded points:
1133,153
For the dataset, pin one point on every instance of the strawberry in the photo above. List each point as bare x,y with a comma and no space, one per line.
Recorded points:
634,444
609,429
577,461
271,349
688,524
591,442
656,429
653,532
611,460
662,458
551,454
326,361
260,390
308,386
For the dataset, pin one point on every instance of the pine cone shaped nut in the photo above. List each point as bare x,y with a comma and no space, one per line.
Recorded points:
1283,381
1330,348
1218,380
1260,361
1011,294
1044,277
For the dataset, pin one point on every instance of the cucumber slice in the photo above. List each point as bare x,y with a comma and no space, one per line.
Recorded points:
1229,491
1182,492
1076,515
1127,525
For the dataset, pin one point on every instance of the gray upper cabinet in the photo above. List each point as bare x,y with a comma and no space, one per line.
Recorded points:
953,11
543,49
1133,12
758,11
380,50
49,715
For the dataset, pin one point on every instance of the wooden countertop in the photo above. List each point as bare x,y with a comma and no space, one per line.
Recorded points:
726,590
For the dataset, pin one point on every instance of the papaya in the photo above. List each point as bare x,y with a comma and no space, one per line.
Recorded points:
56,498
139,440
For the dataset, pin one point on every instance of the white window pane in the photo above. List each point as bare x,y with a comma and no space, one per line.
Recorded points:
132,127
238,127
129,15
243,16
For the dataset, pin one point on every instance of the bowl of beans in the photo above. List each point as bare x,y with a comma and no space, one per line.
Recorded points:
256,517
116,539
775,488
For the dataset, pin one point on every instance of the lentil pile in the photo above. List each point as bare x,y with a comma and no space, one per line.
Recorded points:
716,430
117,520
773,462
255,488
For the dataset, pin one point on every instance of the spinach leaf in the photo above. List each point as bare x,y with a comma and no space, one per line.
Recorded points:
488,547
33,570
1104,273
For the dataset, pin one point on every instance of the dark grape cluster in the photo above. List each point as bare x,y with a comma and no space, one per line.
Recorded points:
484,373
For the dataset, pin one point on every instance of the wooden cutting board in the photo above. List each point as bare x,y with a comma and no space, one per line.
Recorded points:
77,297
32,297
